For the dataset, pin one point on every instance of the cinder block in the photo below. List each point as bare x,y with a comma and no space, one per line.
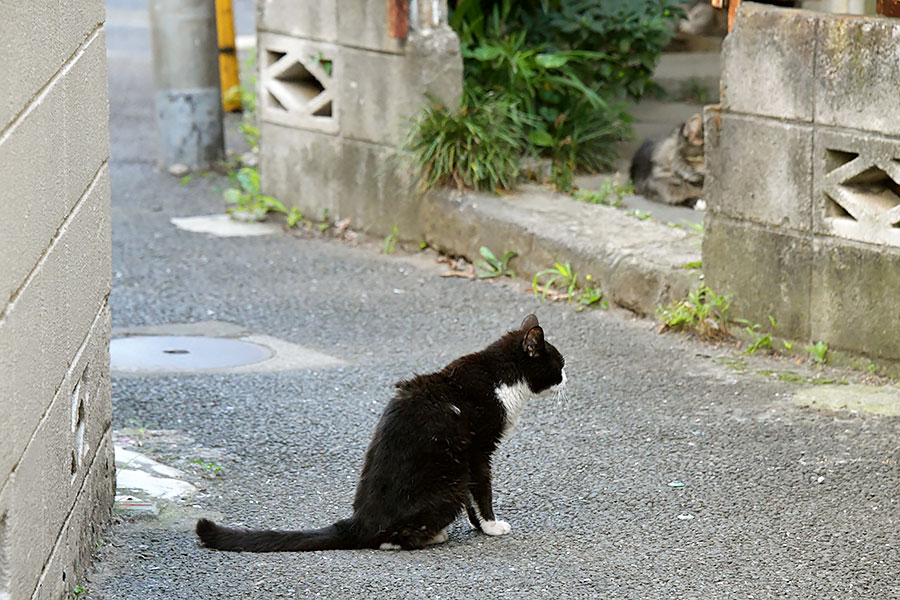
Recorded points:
300,168
299,82
378,192
60,26
856,191
768,63
759,170
857,69
309,19
56,461
48,160
46,325
766,272
854,298
83,528
365,25
382,93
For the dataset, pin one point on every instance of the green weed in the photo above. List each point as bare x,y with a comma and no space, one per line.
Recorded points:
818,351
476,146
590,296
491,266
560,277
77,591
390,242
698,264
211,467
703,312
245,200
609,194
639,214
759,339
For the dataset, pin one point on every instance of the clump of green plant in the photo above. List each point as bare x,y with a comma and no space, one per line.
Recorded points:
390,241
560,277
639,214
490,266
609,194
590,296
77,591
476,146
703,313
210,467
818,351
246,92
244,200
760,340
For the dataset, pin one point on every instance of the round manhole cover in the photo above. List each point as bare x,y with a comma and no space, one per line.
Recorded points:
182,353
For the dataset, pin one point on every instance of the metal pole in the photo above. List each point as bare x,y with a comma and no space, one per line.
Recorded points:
228,64
186,72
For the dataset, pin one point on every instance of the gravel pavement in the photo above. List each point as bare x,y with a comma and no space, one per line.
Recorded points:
667,474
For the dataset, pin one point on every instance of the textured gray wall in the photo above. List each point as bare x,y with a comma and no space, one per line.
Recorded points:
56,467
803,184
336,95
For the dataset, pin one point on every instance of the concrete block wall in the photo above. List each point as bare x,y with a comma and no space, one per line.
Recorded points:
803,184
56,466
336,95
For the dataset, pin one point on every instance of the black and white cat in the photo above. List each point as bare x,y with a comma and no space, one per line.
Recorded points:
430,456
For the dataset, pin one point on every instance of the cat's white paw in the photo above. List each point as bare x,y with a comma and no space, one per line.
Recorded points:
389,546
496,527
440,538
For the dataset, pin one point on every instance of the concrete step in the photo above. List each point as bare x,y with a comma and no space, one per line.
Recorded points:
639,264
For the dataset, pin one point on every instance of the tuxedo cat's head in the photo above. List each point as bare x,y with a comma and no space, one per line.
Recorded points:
541,364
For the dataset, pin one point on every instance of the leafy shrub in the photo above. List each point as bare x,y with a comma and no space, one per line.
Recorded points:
476,146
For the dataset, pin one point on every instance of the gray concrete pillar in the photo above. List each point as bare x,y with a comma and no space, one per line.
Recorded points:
186,73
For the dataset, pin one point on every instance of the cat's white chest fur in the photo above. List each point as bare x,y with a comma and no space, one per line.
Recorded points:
513,398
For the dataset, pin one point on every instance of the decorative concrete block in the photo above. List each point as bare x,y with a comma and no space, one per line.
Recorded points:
857,72
299,82
309,19
857,186
766,272
759,169
854,295
382,93
377,192
365,25
300,168
768,63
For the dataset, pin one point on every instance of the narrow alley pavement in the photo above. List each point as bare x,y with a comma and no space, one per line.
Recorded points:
672,471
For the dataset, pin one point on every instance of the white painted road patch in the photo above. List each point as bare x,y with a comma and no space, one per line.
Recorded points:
135,471
225,226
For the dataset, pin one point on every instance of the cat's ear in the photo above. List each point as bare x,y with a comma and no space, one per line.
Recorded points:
693,130
529,322
533,342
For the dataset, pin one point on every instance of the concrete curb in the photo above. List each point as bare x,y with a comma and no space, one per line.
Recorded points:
638,264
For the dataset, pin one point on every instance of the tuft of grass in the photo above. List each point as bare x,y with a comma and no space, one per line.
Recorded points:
639,214
210,467
818,351
390,241
560,277
759,339
703,313
591,296
491,266
477,146
244,200
609,194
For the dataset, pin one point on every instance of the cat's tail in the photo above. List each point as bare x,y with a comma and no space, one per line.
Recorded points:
334,537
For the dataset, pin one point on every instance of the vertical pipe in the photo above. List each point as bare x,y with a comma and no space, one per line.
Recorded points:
228,63
186,74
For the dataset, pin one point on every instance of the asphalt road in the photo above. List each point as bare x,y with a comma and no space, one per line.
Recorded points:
777,501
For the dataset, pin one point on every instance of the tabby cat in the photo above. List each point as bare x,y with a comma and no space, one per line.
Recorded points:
430,456
671,169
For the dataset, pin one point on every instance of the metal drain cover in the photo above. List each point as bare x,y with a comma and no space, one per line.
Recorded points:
171,353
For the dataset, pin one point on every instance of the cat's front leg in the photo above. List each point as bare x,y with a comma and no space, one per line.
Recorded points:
480,508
